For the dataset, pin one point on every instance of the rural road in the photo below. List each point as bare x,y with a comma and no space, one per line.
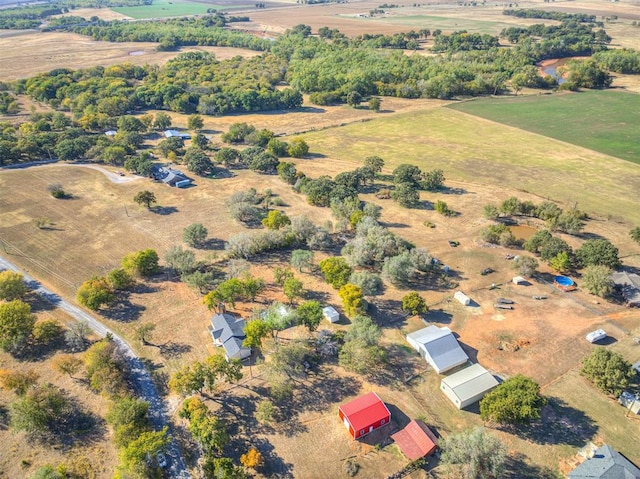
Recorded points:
141,377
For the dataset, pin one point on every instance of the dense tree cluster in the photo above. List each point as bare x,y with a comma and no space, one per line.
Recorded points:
608,371
547,15
515,401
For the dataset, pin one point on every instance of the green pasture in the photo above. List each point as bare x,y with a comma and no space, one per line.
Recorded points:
446,23
172,8
604,121
473,149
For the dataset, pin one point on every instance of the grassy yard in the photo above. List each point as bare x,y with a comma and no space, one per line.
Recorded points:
173,8
604,121
469,148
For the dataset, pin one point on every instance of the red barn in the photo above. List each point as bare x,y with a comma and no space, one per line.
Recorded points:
364,414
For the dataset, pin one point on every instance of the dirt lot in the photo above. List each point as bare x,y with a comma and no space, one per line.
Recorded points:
42,52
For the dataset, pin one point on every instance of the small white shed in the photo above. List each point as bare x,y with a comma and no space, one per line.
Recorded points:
331,314
519,280
462,298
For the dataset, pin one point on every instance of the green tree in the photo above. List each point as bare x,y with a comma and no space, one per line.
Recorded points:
142,263
598,252
131,123
198,162
491,212
265,412
354,98
336,271
406,173
635,234
561,262
195,235
43,411
47,331
228,291
277,148
49,472
374,104
608,371
238,132
144,331
129,418
16,325
146,198
370,283
252,287
406,194
120,280
298,148
293,288
275,220
552,247
525,265
374,163
352,299
162,121
287,172
597,280
361,352
136,456
200,280
442,208
12,286
195,122
515,401
183,261
414,303
222,468
301,258
18,381
67,364
432,180
105,368
255,331
310,314
474,454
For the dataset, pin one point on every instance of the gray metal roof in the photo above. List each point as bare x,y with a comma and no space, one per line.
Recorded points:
606,463
629,284
441,346
470,382
225,326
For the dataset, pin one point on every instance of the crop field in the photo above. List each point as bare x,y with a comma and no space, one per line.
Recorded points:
174,8
604,121
469,148
42,52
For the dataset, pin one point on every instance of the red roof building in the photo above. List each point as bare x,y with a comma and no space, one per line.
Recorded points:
416,440
364,414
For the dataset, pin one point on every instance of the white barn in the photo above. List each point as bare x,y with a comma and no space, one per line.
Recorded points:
468,386
462,298
439,347
330,313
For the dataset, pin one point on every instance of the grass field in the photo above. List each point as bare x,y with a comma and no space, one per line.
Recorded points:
469,148
604,121
174,8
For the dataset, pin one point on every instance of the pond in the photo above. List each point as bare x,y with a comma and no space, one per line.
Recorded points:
550,67
523,232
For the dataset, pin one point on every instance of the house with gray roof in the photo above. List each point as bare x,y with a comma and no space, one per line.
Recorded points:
227,332
177,134
439,347
606,463
468,386
629,286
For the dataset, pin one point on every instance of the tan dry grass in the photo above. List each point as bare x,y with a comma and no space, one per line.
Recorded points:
102,13
42,52
98,453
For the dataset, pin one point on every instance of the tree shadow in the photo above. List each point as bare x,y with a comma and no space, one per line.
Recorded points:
173,350
401,364
123,311
212,244
439,316
517,466
274,465
4,418
39,302
452,191
394,225
163,210
559,423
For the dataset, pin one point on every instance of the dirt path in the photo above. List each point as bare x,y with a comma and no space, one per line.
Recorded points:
140,376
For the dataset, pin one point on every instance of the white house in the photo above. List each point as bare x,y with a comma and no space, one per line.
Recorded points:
176,133
331,314
468,386
462,298
439,347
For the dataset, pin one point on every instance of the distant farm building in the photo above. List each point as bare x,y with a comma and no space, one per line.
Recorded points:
606,463
330,313
519,280
468,386
172,177
111,132
177,134
364,415
416,440
439,347
462,298
227,332
629,286
630,401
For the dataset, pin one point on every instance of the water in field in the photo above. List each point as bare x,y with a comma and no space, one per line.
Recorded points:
523,232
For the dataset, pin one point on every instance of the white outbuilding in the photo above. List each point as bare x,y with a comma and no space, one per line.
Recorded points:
468,386
518,280
330,313
439,347
462,298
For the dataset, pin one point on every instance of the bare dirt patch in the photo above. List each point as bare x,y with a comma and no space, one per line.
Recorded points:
41,52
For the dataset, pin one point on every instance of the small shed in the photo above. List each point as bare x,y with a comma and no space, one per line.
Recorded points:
416,440
176,133
468,386
518,280
364,415
111,132
330,313
462,298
